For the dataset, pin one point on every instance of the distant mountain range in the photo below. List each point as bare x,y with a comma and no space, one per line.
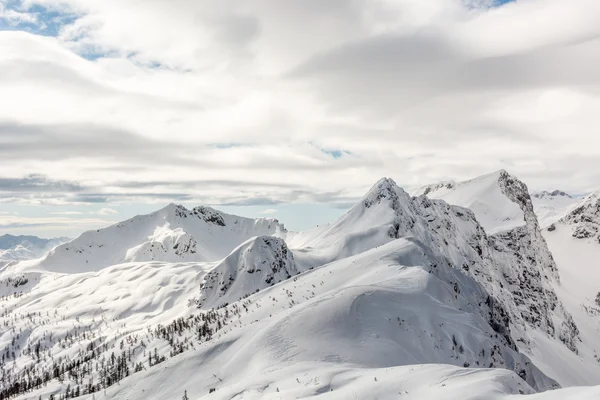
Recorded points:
18,248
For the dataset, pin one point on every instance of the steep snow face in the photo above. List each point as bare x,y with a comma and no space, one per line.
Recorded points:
486,197
17,248
257,264
173,234
552,206
527,268
575,243
584,220
578,262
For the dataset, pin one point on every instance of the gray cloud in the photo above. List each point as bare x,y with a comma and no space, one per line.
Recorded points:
206,183
36,183
60,142
387,74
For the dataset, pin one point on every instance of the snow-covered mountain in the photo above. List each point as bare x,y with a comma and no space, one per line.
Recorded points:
551,206
455,297
257,264
17,248
574,240
173,234
527,269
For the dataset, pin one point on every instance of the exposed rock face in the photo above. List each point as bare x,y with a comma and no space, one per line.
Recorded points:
435,187
523,266
531,259
209,215
585,219
185,244
456,241
454,231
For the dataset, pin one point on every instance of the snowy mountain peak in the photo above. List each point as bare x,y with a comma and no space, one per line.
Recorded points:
385,188
256,264
208,214
504,208
544,194
173,233
498,199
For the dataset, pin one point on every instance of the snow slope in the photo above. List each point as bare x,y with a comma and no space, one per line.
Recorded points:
574,242
485,197
578,262
173,234
385,308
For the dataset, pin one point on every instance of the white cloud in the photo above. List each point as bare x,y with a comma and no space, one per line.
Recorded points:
231,102
66,213
14,17
106,211
268,211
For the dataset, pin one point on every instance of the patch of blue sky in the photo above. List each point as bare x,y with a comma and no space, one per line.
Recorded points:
226,145
42,21
35,18
336,153
486,3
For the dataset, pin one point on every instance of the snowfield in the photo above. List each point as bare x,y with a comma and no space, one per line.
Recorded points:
460,297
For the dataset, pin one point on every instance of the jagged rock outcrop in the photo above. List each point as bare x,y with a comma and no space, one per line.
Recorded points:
524,266
425,190
584,220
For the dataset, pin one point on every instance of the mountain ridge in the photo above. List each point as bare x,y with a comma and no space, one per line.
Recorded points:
172,233
396,281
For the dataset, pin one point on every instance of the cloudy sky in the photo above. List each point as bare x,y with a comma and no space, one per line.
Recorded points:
285,108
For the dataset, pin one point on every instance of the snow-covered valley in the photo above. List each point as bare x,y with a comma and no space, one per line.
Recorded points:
454,294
